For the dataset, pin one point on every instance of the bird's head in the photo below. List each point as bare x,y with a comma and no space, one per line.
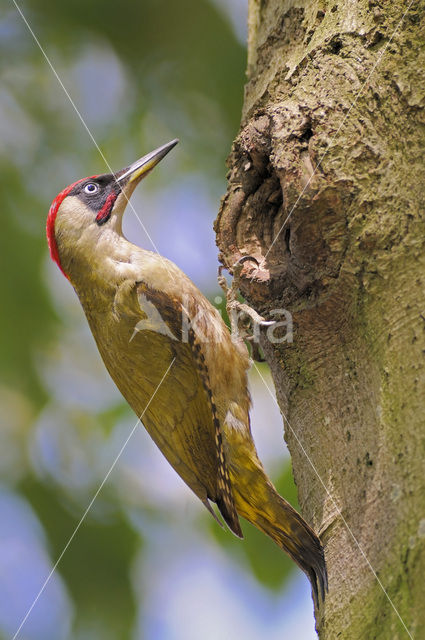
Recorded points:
86,209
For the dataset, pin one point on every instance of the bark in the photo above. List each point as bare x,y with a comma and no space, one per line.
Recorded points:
326,190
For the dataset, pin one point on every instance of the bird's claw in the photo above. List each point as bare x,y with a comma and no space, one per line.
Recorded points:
242,261
235,308
236,269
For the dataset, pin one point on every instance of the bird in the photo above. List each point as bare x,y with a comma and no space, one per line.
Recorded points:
173,359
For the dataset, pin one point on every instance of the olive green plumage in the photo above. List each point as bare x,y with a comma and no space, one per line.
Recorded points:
148,320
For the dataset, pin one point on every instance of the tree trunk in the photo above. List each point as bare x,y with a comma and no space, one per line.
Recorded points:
326,191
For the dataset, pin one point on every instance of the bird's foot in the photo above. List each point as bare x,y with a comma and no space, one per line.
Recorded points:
245,322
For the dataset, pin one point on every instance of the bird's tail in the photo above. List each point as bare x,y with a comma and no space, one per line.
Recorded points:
258,501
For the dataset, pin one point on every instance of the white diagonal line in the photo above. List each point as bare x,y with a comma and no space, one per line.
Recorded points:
378,60
334,503
91,503
83,122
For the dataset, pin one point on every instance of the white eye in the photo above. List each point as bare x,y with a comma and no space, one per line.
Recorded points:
91,188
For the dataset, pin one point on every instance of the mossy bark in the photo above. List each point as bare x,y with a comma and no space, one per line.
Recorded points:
327,191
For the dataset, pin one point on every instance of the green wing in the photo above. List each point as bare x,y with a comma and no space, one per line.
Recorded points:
182,418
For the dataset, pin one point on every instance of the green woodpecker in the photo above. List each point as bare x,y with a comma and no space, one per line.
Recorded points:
148,318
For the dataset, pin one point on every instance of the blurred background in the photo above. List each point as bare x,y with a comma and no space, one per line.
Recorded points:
148,562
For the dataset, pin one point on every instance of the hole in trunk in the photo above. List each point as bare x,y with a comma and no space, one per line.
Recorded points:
307,134
336,46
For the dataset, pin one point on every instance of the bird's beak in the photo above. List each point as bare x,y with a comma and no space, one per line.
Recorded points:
129,177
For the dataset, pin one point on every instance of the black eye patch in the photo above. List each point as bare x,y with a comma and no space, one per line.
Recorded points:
98,193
